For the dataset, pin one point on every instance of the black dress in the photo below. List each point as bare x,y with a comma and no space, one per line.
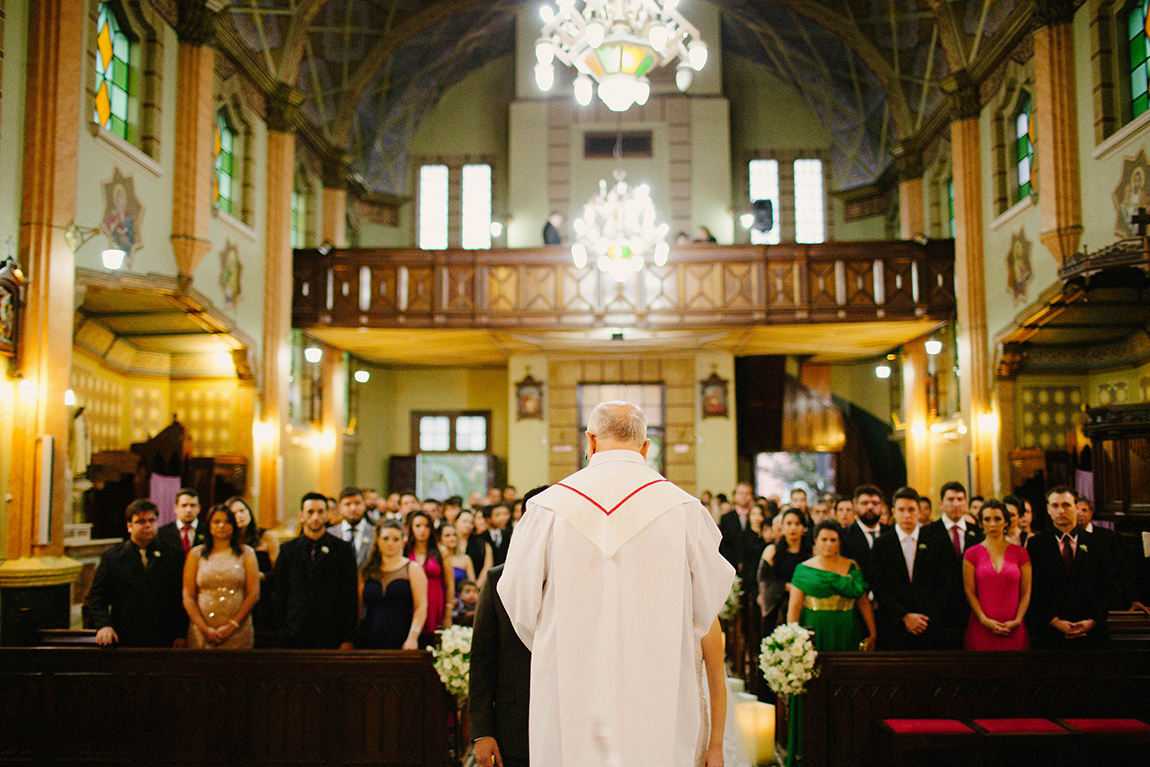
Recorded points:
477,551
388,609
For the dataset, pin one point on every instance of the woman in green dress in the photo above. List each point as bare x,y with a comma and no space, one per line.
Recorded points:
828,595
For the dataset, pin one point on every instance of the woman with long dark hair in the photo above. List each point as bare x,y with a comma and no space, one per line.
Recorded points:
221,586
264,542
471,544
392,594
423,547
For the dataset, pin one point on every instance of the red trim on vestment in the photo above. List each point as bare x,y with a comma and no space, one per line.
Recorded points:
620,503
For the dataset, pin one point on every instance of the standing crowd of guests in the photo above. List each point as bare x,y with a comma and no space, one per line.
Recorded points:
362,571
865,574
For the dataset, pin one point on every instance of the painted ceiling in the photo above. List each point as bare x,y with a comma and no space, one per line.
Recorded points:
371,70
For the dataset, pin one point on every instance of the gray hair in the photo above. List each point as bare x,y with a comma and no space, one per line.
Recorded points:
618,421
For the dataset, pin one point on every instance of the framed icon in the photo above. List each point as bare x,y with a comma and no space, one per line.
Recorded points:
529,399
714,395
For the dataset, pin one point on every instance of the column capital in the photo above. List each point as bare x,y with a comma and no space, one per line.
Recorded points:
336,169
284,108
963,93
1049,13
908,160
196,23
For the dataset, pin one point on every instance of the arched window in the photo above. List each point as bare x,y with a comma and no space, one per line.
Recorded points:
1023,146
225,145
1138,46
114,76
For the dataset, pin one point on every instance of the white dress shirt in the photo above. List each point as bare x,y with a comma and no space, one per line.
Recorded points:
909,543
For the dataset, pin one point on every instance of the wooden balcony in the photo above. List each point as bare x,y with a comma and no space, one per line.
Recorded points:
700,286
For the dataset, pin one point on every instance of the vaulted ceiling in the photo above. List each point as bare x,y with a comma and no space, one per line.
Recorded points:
371,70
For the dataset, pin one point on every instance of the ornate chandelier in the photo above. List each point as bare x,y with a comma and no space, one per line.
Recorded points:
618,228
617,42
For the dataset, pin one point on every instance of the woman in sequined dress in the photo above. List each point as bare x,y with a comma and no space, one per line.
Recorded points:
221,586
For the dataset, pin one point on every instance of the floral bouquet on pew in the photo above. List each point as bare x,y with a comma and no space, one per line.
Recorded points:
453,660
731,606
787,659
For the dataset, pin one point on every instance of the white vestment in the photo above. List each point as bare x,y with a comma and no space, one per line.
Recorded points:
612,578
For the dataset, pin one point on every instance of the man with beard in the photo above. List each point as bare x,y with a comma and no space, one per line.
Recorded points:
859,538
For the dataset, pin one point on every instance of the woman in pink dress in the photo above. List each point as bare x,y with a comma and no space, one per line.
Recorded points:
997,578
423,547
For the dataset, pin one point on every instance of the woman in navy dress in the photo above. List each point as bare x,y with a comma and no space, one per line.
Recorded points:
392,594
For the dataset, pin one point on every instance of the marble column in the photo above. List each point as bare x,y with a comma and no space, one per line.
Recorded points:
192,197
970,281
915,370
333,372
36,577
283,108
335,202
1056,128
912,213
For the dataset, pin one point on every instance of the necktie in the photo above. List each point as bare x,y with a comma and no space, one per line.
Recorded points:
869,538
1067,551
314,546
956,540
497,538
187,540
908,555
144,557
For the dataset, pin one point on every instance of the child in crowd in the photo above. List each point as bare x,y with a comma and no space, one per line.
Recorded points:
464,613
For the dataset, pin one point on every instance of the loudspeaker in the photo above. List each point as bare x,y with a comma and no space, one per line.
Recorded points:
764,216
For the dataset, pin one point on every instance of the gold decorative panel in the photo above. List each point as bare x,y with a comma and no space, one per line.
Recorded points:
101,396
148,417
208,415
1048,414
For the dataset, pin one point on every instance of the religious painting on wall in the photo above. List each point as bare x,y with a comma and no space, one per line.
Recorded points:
11,289
1131,193
231,274
714,394
1018,269
122,222
529,398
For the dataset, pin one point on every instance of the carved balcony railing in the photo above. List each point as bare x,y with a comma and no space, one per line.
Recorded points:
700,286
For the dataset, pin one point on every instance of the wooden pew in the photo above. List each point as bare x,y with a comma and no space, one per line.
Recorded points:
856,691
258,707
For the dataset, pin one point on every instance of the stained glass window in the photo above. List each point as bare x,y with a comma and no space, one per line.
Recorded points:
225,162
810,204
1139,48
113,73
476,206
764,185
950,204
1023,147
433,207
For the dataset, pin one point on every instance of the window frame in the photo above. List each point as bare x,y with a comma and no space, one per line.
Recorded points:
235,178
454,416
1023,104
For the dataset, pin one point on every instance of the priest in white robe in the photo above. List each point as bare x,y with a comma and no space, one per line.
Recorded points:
613,577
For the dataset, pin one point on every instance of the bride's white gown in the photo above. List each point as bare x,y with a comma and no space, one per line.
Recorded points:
735,752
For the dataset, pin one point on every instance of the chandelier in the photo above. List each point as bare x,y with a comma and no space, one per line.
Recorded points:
618,227
617,42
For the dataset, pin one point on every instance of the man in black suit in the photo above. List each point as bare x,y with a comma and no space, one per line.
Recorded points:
910,580
314,581
1073,579
498,532
136,599
500,682
858,539
951,536
1126,597
733,526
186,532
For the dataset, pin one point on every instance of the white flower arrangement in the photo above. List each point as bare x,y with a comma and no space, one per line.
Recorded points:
453,660
788,659
731,606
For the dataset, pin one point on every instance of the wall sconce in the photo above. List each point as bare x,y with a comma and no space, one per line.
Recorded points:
313,354
747,220
933,346
362,376
882,370
76,236
988,422
496,228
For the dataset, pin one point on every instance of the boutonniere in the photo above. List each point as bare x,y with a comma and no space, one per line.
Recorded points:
922,547
1082,547
325,549
156,553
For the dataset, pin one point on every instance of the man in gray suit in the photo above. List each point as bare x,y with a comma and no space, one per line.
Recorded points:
354,528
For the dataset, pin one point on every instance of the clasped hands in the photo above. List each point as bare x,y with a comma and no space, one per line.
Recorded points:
220,634
1000,628
1073,629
